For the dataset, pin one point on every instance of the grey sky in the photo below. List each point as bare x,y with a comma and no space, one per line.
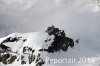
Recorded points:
74,16
36,15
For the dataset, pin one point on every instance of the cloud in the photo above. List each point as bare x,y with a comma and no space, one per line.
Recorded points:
89,5
36,15
19,4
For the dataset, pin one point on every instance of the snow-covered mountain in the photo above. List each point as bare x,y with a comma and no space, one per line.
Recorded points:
33,49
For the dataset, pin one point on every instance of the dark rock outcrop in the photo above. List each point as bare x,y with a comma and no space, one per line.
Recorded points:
61,42
7,58
10,39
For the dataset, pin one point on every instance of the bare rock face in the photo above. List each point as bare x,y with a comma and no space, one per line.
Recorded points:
7,58
61,42
10,39
39,60
28,52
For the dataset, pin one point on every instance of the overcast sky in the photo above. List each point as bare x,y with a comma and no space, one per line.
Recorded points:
36,15
77,17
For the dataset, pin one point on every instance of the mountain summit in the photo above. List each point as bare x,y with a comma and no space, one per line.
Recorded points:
31,48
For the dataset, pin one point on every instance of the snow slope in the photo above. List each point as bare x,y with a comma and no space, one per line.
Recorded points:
25,50
34,40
